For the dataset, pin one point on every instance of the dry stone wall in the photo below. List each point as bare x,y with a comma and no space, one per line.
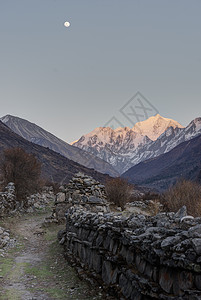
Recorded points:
10,205
83,191
137,257
7,200
6,241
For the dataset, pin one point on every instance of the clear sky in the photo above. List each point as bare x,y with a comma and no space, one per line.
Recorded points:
71,80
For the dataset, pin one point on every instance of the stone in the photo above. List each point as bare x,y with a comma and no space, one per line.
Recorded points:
122,280
182,212
148,270
198,282
135,295
60,197
197,245
107,273
95,200
182,281
195,231
166,280
127,289
170,241
96,262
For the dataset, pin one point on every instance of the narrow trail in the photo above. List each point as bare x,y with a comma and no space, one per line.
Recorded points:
36,269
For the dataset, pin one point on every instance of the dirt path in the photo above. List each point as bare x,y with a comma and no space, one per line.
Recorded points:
36,269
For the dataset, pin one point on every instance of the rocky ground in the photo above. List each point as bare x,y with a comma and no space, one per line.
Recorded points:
34,267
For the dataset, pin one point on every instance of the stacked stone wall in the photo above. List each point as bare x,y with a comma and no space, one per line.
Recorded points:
137,257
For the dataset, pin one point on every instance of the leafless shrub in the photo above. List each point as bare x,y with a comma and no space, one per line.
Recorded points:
154,207
54,185
184,192
118,191
23,169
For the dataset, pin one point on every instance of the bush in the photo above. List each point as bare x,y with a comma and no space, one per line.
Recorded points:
184,192
23,169
55,186
118,191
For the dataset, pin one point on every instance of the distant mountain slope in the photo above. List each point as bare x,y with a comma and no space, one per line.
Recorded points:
167,141
125,147
55,167
38,135
160,172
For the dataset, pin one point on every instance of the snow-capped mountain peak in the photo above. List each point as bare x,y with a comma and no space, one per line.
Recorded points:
196,123
106,136
126,147
155,126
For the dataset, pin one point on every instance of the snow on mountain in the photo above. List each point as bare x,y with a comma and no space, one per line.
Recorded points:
173,137
124,147
155,126
165,142
38,135
115,140
114,146
164,170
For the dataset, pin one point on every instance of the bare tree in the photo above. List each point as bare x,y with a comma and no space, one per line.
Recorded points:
118,191
184,192
23,169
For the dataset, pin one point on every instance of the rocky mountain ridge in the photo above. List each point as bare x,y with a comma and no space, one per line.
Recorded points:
55,167
124,147
160,172
37,135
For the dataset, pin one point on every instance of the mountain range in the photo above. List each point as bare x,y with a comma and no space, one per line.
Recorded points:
162,171
55,167
40,136
125,147
153,153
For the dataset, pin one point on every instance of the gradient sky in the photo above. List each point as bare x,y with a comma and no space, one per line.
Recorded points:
71,80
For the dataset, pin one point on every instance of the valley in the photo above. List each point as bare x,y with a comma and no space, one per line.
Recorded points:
106,151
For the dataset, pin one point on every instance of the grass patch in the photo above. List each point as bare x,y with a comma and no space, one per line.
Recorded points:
16,272
52,275
6,265
41,271
56,293
11,294
51,232
63,282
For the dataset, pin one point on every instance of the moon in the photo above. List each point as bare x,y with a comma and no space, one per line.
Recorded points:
67,24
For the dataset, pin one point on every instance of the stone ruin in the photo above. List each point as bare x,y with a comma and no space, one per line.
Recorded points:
82,190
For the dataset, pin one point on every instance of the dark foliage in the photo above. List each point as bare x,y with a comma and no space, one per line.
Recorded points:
184,192
23,169
118,191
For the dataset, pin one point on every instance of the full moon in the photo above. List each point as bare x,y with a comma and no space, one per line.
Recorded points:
67,24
